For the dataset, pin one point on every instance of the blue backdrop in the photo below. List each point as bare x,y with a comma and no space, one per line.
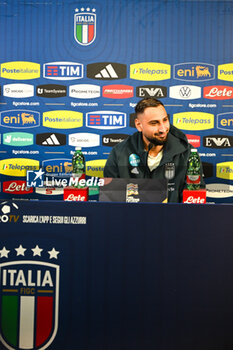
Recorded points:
72,72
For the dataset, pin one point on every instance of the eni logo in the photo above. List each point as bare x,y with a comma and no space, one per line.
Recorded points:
194,71
19,119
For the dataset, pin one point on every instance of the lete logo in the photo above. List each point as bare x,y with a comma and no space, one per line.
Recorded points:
16,187
218,92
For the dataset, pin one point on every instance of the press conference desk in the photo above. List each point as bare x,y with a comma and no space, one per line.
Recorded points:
119,276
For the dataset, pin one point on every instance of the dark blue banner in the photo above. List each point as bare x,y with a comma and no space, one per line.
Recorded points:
110,276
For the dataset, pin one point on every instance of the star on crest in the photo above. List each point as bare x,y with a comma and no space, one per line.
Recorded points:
4,252
20,250
53,253
37,251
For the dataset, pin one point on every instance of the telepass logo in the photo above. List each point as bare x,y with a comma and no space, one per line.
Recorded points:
29,298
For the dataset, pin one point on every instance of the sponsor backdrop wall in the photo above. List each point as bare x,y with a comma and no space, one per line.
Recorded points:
72,72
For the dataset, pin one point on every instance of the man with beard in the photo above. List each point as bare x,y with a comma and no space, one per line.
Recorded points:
157,150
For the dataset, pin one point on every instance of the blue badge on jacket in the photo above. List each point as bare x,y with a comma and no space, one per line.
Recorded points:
134,159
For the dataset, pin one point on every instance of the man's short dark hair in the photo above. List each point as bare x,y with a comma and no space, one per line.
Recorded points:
147,102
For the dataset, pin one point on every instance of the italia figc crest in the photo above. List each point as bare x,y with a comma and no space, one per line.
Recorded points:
29,299
85,26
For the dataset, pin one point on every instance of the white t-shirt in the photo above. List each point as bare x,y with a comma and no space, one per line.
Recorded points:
153,162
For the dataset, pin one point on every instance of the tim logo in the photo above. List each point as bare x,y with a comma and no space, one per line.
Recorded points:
85,26
106,120
194,71
63,70
20,119
29,293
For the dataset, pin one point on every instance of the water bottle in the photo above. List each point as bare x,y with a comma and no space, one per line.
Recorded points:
193,176
78,163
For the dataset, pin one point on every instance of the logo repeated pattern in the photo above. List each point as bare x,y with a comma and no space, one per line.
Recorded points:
39,119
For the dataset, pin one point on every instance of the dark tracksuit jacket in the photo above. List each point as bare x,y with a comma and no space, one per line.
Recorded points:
128,159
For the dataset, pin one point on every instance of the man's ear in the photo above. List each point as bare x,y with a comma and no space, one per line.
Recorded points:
138,124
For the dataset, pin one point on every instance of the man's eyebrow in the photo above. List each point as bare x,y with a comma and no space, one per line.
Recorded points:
156,120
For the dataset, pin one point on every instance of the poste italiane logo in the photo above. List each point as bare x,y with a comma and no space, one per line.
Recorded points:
85,26
150,71
95,167
18,166
224,170
29,297
225,72
63,119
20,70
193,120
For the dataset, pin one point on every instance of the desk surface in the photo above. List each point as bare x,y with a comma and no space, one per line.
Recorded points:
122,276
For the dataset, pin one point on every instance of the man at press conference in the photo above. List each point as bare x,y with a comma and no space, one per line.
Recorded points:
156,150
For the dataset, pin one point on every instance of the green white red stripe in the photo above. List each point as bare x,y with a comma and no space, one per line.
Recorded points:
35,325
